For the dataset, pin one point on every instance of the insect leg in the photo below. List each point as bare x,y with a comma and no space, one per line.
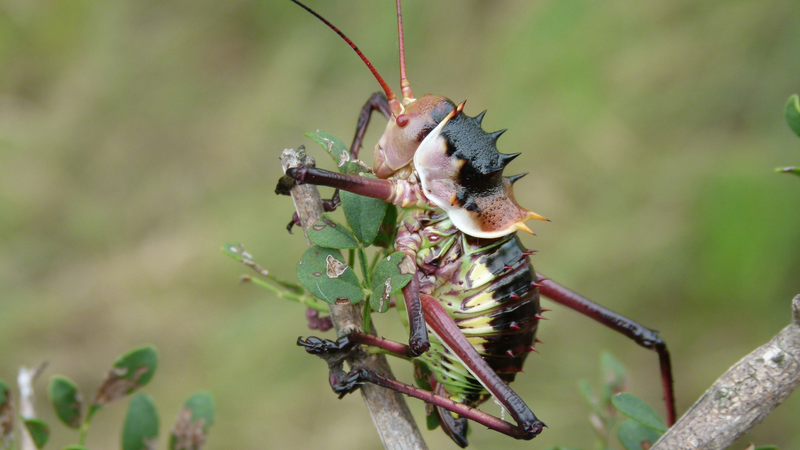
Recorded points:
376,102
344,383
443,326
643,336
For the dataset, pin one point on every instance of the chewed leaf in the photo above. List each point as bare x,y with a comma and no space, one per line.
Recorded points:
140,431
333,145
38,430
364,215
635,436
67,401
792,112
191,428
635,408
6,414
129,373
322,271
391,275
330,234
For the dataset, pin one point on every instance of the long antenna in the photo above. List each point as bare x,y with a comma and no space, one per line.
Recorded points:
394,104
405,87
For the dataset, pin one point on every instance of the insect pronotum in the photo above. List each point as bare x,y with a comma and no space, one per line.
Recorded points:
472,304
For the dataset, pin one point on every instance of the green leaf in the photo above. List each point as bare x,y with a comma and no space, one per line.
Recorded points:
39,431
334,146
330,234
635,408
766,447
236,251
131,371
631,434
391,275
792,112
613,373
191,429
74,447
364,215
388,229
327,277
6,413
140,431
67,401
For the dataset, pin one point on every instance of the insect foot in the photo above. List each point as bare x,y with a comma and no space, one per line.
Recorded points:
320,347
349,383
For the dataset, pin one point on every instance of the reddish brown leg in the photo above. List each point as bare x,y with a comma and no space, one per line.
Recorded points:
443,326
643,336
368,187
345,383
377,102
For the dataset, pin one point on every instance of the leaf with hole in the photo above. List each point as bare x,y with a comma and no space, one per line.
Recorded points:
635,408
364,215
391,275
129,373
323,272
194,420
334,146
140,431
330,234
67,400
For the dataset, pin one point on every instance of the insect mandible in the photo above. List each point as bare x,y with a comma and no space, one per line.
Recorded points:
472,303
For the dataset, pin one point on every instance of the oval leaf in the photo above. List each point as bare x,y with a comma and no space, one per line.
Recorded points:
130,372
6,413
140,431
391,275
388,229
792,112
330,234
364,215
635,408
191,428
327,277
632,434
67,401
38,430
333,145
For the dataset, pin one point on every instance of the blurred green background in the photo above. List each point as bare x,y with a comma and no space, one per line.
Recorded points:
136,137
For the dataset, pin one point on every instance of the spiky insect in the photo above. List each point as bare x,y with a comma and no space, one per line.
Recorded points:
472,302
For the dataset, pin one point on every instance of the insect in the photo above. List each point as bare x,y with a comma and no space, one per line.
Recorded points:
472,303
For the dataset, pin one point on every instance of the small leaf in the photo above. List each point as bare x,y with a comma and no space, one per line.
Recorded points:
333,145
632,434
329,234
140,431
38,430
6,414
767,447
130,372
236,251
635,408
191,428
391,275
74,447
327,277
67,401
792,112
364,215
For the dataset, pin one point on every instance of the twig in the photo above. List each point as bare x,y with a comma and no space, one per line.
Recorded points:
25,381
389,411
743,396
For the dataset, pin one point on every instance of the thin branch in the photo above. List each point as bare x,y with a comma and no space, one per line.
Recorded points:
25,381
743,396
389,411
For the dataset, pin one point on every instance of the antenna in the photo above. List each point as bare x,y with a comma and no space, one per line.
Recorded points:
404,85
394,104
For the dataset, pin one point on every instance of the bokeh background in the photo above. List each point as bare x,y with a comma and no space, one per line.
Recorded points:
136,137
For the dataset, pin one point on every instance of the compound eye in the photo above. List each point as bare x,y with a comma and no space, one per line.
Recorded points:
402,120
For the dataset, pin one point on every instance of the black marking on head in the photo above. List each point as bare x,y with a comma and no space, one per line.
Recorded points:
438,113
